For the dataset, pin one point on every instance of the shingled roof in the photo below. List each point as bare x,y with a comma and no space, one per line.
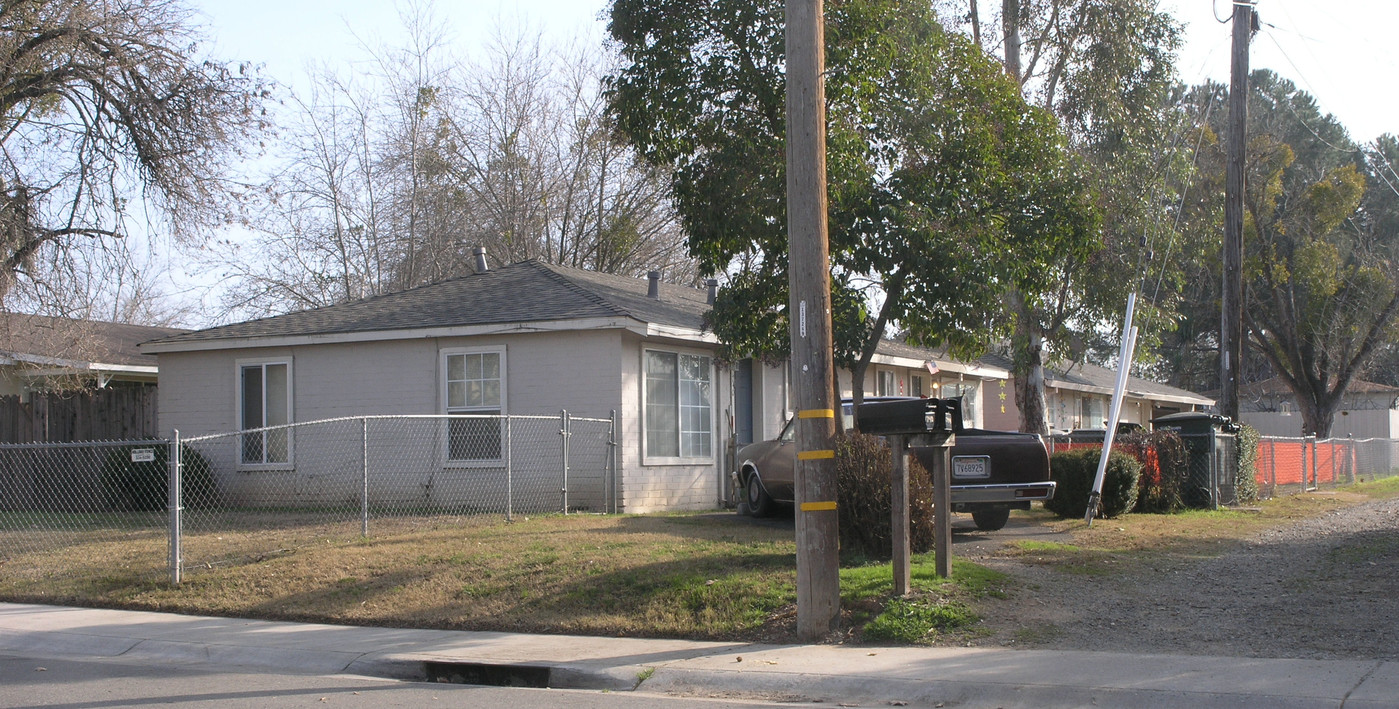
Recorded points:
525,292
52,341
1101,380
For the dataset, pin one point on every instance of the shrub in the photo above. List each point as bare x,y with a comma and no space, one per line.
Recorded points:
144,486
864,468
1165,469
1074,471
1246,476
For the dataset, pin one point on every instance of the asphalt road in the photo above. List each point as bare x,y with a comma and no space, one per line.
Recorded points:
103,683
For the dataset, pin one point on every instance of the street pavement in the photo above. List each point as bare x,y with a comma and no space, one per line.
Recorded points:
830,674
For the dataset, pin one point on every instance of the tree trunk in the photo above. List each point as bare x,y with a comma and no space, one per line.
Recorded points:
1029,388
1317,415
1010,27
976,23
1028,369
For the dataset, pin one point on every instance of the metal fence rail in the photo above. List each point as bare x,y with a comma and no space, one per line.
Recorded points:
218,499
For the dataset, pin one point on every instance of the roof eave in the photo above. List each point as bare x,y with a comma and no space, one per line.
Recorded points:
538,326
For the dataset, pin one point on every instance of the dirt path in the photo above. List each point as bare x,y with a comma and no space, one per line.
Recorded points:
1323,588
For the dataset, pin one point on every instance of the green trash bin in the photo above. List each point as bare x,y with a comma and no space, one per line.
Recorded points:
1213,452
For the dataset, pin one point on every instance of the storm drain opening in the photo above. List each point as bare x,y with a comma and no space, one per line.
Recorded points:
487,675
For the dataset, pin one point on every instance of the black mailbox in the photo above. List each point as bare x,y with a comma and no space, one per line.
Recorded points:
910,416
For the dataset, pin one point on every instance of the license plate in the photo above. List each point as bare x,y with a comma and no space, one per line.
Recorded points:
978,466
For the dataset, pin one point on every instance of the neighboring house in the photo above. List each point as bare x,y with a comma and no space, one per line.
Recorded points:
40,353
1080,396
1368,410
63,379
525,339
762,401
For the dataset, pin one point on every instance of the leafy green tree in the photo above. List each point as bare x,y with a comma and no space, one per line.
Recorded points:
1322,280
944,185
1321,231
1104,69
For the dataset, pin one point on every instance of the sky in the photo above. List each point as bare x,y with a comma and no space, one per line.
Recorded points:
1337,51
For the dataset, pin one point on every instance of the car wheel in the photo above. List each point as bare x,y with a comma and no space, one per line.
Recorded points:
990,520
759,504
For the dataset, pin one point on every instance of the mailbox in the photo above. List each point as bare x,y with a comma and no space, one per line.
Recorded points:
910,416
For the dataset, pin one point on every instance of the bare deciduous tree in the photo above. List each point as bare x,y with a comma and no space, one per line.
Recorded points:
391,178
110,116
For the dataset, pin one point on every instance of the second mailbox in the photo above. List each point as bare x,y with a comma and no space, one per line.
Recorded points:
910,416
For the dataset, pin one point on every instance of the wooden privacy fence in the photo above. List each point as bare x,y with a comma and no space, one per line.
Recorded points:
115,413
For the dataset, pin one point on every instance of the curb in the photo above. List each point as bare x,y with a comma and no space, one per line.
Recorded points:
868,690
418,667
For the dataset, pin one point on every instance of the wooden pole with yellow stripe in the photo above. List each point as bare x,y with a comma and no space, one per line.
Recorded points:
809,313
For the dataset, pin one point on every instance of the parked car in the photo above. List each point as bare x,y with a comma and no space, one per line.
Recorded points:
993,472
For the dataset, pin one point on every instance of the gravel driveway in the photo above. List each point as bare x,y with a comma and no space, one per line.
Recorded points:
1322,588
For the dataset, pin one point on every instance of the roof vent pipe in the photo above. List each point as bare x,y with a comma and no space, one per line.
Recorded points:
653,286
480,253
713,284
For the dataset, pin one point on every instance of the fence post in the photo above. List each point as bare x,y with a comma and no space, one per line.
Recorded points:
176,497
564,434
509,470
1273,469
364,461
1315,475
612,454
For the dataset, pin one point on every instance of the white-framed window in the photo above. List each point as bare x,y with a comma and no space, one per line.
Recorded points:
473,387
264,410
885,383
679,405
1094,413
917,386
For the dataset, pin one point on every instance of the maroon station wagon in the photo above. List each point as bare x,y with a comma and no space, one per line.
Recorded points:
993,472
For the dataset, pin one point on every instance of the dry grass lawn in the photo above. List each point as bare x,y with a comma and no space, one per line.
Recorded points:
714,576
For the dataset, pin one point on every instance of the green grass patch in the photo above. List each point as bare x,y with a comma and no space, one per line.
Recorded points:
918,620
1381,489
1067,558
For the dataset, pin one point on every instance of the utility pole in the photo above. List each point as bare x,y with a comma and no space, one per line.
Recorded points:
809,284
1231,314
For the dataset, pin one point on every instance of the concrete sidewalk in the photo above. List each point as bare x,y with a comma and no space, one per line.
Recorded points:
846,675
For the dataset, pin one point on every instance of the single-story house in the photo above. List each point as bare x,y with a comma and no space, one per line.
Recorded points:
529,338
64,380
1080,396
1368,410
532,338
42,353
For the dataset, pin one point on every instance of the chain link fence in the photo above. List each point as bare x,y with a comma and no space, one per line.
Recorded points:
261,492
1294,464
82,507
1213,462
1282,466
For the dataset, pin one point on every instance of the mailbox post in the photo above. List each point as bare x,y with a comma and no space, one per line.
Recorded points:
929,423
